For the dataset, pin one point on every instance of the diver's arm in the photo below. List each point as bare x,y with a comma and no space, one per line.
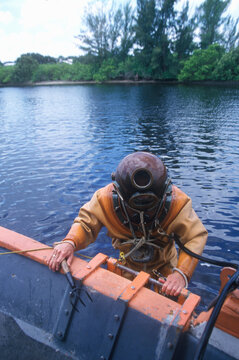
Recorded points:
192,234
83,231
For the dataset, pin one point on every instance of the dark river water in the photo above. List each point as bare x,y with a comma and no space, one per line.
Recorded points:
59,144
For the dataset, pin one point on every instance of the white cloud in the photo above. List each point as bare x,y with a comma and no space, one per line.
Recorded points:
50,13
46,26
5,17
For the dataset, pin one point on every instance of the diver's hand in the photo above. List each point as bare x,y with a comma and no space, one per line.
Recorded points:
61,251
174,284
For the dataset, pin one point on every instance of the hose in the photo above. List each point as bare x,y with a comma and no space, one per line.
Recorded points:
203,258
231,285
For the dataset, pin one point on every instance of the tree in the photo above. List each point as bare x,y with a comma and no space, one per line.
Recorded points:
25,66
231,34
103,31
94,39
184,44
6,74
127,32
162,59
201,65
115,22
41,59
108,33
210,20
145,30
228,66
107,71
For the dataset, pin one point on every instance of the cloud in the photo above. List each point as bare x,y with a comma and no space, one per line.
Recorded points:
45,26
48,14
5,17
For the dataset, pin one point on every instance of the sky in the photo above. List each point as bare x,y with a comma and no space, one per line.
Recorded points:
49,27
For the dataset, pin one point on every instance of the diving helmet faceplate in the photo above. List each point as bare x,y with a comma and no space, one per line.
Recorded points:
141,178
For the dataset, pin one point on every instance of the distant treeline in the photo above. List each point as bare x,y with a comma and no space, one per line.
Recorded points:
151,42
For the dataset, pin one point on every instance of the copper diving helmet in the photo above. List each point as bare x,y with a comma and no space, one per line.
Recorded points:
141,179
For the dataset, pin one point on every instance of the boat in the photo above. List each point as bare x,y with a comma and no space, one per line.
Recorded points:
94,312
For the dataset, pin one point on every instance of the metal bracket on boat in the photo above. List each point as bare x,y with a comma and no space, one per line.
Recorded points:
170,331
66,310
118,312
71,297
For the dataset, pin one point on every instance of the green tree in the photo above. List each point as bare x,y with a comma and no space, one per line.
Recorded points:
201,65
51,72
231,34
41,59
82,72
127,32
228,66
210,20
162,59
62,71
102,30
115,22
127,69
6,74
184,45
25,66
94,39
145,31
107,71
108,33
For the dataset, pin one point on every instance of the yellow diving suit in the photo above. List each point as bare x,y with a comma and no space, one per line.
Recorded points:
180,219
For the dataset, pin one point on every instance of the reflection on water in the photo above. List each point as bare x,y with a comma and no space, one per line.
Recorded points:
60,144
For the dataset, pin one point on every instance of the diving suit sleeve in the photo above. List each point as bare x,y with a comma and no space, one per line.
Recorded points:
192,234
86,225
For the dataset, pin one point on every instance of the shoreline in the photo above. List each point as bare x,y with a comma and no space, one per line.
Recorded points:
123,82
93,82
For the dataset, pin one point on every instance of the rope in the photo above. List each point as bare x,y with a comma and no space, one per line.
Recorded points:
85,256
23,251
31,250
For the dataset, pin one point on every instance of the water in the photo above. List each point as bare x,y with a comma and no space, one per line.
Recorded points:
59,144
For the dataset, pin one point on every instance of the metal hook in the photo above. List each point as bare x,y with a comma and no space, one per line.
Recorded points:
76,291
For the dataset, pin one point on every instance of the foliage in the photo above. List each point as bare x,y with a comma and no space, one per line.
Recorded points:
41,59
201,64
108,33
228,66
154,29
107,71
51,72
82,72
231,34
145,30
184,44
210,21
25,66
6,74
127,33
165,19
63,72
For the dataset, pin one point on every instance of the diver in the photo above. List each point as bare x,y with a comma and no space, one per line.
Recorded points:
142,211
